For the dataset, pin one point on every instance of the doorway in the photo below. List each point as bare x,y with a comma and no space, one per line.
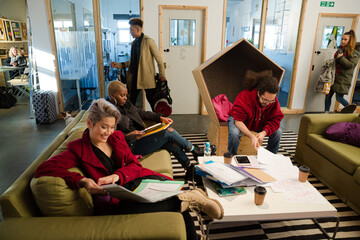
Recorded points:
329,31
116,37
182,44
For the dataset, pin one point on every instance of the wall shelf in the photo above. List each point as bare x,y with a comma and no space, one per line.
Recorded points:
25,41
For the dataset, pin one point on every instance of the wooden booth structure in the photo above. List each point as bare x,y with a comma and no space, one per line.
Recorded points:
224,74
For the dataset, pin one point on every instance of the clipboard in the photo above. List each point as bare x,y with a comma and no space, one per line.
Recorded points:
155,128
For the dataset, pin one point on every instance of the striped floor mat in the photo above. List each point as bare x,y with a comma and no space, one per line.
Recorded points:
349,227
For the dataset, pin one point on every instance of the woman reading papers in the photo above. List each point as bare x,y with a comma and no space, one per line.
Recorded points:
131,124
105,158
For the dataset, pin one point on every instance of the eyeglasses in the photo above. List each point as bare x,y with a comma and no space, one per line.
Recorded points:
266,100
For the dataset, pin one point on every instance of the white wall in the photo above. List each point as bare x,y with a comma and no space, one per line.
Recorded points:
307,43
41,44
13,10
110,7
214,25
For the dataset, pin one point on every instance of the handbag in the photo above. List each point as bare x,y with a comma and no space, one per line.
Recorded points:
326,88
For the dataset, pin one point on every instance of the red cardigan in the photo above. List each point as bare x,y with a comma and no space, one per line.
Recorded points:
247,109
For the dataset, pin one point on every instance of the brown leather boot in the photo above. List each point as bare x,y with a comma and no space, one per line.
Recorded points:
197,200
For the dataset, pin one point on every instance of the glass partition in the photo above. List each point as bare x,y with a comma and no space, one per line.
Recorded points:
76,52
243,21
281,30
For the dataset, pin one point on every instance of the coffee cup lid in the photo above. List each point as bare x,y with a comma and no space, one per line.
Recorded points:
228,155
304,168
260,190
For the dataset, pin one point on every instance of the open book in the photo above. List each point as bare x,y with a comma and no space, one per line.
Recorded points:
148,191
155,128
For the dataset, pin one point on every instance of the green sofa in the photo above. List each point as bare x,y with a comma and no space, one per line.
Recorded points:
24,220
335,164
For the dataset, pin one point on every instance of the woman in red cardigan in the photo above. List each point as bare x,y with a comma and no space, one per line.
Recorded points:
104,156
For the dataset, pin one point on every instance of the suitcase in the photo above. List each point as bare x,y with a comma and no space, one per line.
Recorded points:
44,106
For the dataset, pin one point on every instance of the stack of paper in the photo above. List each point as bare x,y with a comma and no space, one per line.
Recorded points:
220,172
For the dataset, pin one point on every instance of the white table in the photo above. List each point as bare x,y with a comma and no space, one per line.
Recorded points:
75,76
275,207
7,69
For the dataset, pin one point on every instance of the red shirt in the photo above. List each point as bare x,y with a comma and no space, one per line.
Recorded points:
247,109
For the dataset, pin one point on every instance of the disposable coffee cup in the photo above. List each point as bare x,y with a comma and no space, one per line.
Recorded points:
303,173
260,193
228,157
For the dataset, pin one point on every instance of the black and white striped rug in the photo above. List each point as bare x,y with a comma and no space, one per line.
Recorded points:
349,227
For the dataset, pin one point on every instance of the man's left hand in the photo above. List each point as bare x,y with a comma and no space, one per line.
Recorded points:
163,79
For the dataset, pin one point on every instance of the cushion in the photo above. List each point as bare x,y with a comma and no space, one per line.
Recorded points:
345,132
222,107
357,120
55,198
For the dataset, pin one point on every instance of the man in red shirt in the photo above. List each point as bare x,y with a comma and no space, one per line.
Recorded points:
256,109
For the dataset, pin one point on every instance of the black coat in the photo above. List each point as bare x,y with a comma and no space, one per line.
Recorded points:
132,118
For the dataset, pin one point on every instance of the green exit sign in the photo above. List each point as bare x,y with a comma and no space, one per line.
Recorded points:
327,4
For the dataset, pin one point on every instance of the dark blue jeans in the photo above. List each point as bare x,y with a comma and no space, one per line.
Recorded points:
235,135
339,97
168,139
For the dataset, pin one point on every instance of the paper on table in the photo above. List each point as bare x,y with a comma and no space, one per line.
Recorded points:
222,172
264,156
305,196
287,185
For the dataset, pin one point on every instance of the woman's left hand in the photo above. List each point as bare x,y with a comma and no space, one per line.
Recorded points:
166,120
108,179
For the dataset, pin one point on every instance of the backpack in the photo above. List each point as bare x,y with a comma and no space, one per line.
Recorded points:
7,100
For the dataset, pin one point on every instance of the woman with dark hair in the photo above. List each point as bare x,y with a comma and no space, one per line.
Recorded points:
256,109
105,158
346,58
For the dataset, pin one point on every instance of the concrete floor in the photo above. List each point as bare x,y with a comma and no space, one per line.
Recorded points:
22,141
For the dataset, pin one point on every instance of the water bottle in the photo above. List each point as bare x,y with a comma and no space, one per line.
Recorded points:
207,152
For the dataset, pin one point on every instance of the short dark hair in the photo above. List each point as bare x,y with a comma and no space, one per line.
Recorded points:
268,84
136,22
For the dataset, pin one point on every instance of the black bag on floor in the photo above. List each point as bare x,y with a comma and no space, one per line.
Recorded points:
7,100
44,106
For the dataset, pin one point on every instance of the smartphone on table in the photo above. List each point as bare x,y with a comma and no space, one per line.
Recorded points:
242,160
